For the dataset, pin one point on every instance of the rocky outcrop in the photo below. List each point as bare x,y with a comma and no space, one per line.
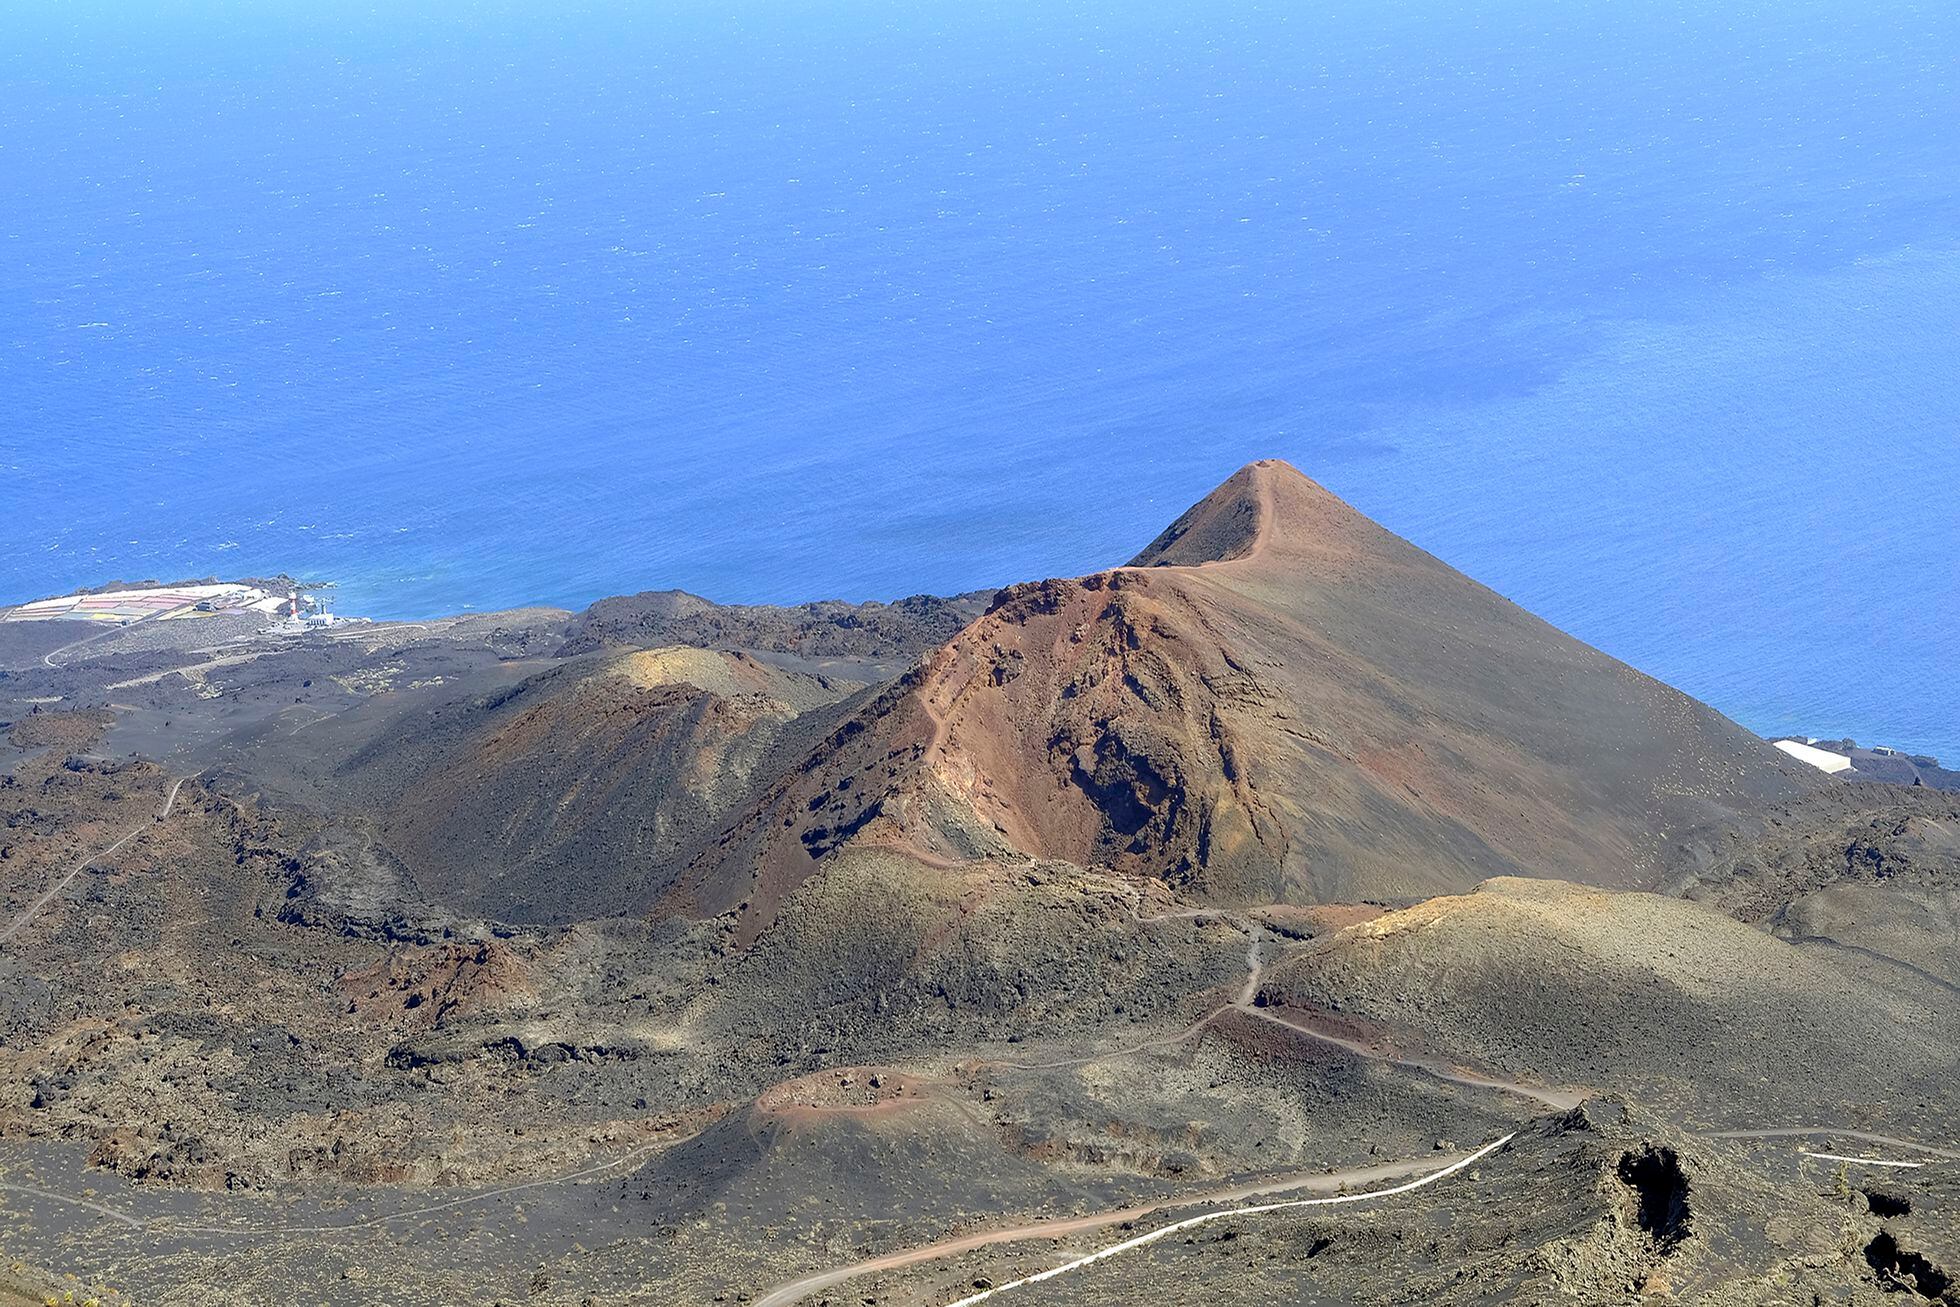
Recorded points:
831,628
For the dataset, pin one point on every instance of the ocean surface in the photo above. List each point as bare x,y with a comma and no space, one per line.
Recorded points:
1647,315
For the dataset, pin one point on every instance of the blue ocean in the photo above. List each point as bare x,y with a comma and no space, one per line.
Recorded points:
1644,314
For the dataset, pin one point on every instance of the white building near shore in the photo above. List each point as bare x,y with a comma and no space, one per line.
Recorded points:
1822,759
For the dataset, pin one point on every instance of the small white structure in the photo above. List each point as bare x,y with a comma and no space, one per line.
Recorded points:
1822,759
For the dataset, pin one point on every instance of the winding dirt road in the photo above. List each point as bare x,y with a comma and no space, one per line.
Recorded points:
1243,1002
47,658
1254,966
1860,1161
76,870
1234,1202
1428,1171
121,1218
1561,1100
1236,1212
1810,1131
1557,1099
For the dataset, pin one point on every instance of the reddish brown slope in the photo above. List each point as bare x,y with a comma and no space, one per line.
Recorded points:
1278,700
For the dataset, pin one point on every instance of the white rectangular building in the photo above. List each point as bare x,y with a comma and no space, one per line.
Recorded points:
1822,759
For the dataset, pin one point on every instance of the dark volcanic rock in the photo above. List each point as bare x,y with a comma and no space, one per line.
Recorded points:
830,628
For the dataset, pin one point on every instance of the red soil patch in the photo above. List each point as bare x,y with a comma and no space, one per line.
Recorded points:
424,987
865,1092
72,730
